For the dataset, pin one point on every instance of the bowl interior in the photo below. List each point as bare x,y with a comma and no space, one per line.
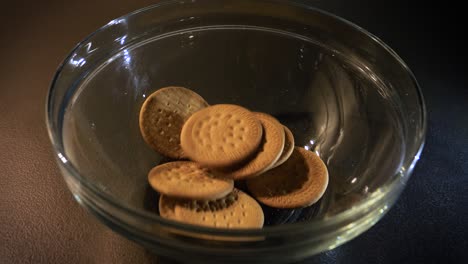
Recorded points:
335,103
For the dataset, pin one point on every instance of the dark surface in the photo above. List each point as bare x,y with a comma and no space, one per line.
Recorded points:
429,223
41,223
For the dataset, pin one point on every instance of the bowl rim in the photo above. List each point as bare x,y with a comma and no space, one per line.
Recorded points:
386,191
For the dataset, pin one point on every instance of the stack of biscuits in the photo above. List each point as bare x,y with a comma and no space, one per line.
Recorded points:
214,145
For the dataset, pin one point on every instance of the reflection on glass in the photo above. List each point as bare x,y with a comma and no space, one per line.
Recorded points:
77,62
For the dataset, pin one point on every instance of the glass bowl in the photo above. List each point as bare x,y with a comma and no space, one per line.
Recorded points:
344,94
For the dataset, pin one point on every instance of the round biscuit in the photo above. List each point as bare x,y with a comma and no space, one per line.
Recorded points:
162,116
299,182
236,210
167,207
187,179
288,147
221,135
268,153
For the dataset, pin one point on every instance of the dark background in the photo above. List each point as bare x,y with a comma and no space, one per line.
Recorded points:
41,223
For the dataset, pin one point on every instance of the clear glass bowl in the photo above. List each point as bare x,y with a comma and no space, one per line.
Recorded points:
343,92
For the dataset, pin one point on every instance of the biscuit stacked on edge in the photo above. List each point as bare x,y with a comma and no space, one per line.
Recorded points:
225,143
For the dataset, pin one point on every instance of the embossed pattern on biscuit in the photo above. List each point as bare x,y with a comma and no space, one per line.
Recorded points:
162,116
221,135
187,179
268,153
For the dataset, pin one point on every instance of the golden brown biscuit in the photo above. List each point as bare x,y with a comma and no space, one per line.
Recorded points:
299,182
162,116
221,135
268,153
288,147
187,179
236,210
